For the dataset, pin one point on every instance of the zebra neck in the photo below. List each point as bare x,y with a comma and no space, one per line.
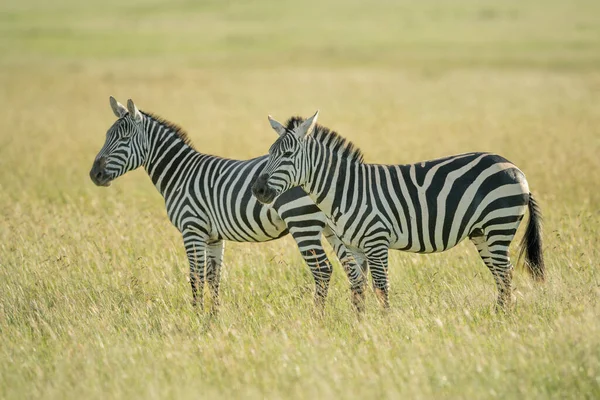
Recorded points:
325,182
167,158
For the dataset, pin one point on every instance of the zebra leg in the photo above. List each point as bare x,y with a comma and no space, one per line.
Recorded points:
314,255
378,264
356,273
195,248
214,253
495,255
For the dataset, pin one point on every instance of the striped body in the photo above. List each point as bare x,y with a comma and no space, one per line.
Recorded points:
425,207
209,199
212,194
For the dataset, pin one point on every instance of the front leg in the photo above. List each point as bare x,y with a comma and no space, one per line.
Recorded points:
355,266
309,244
214,254
378,264
195,248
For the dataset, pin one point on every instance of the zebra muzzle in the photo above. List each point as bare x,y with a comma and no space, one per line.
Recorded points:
262,191
98,173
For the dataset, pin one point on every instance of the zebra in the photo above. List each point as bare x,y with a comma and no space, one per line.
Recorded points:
208,199
425,207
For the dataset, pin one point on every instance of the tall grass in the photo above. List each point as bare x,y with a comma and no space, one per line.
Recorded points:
94,297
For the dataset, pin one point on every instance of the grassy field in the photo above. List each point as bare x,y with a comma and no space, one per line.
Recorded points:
94,297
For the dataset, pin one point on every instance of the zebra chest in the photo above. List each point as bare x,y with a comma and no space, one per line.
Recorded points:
337,223
357,226
184,212
244,223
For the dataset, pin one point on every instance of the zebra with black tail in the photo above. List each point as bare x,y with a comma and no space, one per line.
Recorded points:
425,207
209,199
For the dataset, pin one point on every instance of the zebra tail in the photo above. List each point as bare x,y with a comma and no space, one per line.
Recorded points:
531,245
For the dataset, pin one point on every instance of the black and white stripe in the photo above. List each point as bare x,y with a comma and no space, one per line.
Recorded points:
425,207
209,198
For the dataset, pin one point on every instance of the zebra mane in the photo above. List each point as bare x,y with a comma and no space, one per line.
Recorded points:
331,139
173,127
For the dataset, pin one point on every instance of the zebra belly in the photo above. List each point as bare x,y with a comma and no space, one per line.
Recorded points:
250,223
262,226
427,248
481,218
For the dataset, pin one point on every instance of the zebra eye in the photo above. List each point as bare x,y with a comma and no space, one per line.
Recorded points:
287,154
123,139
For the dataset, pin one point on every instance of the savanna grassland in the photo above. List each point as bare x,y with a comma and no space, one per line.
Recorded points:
94,296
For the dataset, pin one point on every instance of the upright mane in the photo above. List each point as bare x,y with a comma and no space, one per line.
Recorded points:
173,127
331,139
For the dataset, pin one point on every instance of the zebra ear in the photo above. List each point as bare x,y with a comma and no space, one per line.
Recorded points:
277,127
307,126
117,107
133,111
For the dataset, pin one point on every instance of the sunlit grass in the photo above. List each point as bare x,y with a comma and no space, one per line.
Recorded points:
94,297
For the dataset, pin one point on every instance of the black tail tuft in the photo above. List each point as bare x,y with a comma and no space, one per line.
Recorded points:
531,245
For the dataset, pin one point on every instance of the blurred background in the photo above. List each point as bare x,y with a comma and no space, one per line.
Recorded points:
390,75
94,279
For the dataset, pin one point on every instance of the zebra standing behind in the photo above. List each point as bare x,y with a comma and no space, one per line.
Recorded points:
423,208
209,199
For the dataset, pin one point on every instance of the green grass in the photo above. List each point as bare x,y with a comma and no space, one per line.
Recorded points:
435,34
94,298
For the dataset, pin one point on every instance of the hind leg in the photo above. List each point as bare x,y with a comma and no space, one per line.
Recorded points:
494,253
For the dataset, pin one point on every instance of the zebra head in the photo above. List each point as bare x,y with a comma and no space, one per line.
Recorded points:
286,166
125,146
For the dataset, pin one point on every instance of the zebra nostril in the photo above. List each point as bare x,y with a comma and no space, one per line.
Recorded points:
98,175
258,190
